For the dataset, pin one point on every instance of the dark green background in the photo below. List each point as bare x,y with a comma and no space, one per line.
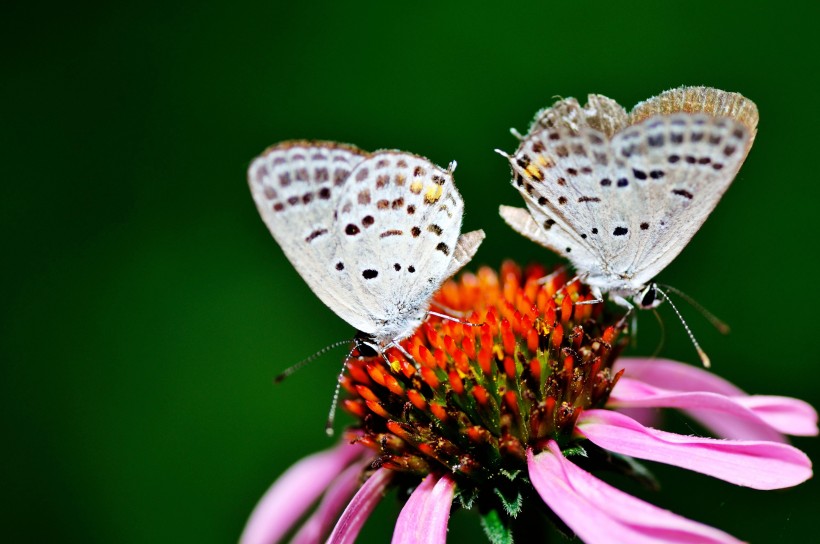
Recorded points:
145,307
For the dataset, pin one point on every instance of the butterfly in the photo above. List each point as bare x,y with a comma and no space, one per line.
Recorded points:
374,235
621,194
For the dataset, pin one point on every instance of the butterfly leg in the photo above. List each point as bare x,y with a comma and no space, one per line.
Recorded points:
456,319
450,311
400,348
549,277
596,292
623,303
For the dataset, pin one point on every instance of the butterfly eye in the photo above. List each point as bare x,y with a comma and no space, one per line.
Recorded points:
648,298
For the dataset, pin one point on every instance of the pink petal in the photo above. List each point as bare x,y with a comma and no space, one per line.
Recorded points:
788,415
600,513
765,417
359,509
316,528
676,376
756,464
424,518
648,417
696,391
292,494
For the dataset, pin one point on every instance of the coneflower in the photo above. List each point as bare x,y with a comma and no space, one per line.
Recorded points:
510,411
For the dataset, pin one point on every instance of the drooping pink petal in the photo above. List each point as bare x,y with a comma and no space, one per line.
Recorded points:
775,414
292,494
788,415
692,389
750,463
423,520
337,496
718,413
359,509
600,513
676,376
648,417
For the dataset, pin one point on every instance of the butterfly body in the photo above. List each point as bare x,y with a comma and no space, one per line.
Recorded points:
373,235
620,195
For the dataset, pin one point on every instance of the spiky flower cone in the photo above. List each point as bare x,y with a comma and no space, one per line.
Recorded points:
478,396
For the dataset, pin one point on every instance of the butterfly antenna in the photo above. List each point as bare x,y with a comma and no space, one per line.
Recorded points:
716,322
290,370
331,416
516,134
662,340
502,153
452,167
702,354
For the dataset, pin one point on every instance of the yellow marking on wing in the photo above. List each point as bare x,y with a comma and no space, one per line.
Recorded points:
534,172
433,193
543,161
415,187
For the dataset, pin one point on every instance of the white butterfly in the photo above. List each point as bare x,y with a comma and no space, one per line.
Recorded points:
374,235
620,195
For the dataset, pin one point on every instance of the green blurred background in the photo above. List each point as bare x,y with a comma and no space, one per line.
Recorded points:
146,308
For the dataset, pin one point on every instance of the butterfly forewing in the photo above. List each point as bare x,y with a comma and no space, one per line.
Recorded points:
559,170
398,221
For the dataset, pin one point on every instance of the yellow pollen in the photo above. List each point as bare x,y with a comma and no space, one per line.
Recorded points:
395,366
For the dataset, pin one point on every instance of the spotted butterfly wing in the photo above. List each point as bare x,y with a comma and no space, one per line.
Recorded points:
399,221
312,197
621,195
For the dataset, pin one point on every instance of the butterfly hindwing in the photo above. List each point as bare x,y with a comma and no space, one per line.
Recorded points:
620,196
398,221
680,166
